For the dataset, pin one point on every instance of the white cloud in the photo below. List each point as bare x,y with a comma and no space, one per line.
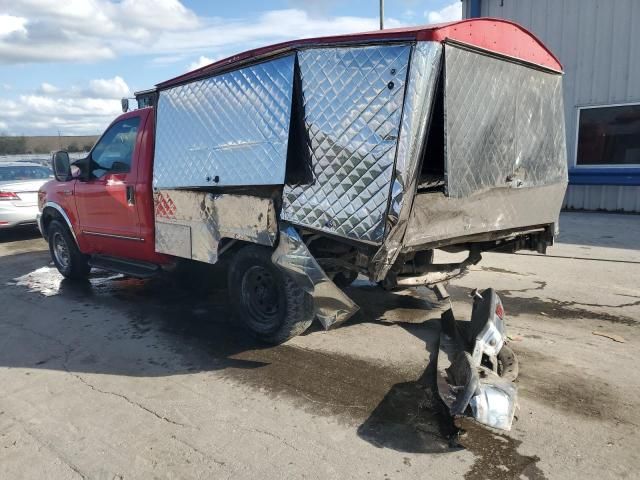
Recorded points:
448,13
114,87
201,62
85,30
91,30
10,24
222,36
47,88
77,110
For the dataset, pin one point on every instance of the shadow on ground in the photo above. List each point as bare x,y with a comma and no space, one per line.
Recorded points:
19,234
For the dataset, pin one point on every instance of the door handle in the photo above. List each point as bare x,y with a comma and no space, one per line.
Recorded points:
131,198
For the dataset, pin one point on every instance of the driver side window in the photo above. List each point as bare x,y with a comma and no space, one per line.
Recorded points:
113,152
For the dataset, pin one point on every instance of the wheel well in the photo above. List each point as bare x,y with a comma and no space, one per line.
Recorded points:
48,215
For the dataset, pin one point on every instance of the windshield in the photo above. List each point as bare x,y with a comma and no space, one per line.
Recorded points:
24,172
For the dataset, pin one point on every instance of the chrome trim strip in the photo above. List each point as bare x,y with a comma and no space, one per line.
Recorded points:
61,211
110,235
39,222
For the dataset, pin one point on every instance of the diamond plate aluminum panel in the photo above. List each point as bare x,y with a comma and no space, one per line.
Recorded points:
233,128
424,70
353,104
504,124
202,219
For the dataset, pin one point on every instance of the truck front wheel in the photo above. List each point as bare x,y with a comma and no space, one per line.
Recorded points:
267,301
69,261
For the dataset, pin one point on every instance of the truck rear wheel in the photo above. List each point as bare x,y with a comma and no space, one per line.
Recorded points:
267,301
69,261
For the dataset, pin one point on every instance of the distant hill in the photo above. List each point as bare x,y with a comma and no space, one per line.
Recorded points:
11,145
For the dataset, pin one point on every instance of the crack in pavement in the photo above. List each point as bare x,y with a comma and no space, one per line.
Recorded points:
59,455
124,397
197,450
68,350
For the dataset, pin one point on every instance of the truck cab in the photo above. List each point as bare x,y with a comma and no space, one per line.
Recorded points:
105,201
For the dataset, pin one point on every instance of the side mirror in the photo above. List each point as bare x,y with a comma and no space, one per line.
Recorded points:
124,102
61,166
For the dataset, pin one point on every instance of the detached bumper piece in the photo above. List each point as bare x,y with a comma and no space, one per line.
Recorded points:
476,369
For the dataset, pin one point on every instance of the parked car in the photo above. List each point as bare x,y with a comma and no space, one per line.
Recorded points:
310,162
19,185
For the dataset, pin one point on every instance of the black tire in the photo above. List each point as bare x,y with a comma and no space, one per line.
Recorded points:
271,306
69,261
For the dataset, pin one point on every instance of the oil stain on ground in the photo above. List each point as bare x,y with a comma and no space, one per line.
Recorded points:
559,385
497,457
552,308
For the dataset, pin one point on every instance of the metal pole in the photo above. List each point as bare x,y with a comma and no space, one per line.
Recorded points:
381,14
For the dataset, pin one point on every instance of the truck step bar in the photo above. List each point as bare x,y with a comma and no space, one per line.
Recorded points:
131,268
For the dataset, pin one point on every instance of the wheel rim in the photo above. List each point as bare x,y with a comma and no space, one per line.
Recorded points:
60,250
261,297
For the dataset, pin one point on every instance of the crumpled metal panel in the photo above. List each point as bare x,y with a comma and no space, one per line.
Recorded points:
233,128
332,305
504,124
191,224
353,100
421,86
436,218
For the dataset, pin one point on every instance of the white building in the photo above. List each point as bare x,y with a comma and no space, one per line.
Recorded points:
598,43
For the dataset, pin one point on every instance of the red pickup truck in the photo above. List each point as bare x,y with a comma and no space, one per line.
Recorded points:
309,163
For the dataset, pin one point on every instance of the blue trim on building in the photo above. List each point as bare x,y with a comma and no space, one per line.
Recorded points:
604,176
475,8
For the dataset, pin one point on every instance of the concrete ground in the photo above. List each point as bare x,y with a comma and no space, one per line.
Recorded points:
121,378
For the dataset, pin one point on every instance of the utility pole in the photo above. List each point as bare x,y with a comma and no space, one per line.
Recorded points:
381,14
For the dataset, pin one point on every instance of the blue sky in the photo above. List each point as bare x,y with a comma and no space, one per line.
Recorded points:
64,64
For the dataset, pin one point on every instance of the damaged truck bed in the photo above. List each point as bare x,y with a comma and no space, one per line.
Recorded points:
376,147
379,149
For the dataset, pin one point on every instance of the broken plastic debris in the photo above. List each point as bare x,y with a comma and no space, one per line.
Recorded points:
496,404
464,380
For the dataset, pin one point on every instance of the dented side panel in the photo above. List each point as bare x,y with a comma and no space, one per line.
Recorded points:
191,224
504,124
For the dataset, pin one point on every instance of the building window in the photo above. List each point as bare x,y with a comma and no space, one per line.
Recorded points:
609,135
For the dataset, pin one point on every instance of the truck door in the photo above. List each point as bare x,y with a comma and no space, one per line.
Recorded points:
106,199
